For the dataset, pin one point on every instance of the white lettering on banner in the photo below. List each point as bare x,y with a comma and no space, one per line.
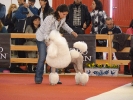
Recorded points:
86,58
1,49
2,55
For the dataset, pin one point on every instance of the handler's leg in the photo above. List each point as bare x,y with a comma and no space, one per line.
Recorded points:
40,65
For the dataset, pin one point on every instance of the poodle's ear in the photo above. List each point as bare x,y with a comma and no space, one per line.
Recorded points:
52,50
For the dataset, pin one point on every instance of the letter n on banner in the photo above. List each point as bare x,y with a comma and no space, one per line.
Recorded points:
4,50
90,55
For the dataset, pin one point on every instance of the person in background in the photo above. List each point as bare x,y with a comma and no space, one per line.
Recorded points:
9,21
130,29
2,28
23,13
45,9
78,17
32,11
2,13
127,70
35,24
109,27
98,17
114,29
131,62
51,22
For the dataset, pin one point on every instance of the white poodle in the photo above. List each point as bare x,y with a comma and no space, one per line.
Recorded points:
59,56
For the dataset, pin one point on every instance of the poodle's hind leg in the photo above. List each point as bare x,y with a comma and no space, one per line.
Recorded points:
77,78
84,78
53,76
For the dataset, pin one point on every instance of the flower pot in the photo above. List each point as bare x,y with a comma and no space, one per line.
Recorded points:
102,71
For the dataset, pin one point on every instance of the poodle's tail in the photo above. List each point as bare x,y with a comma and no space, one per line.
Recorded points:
81,45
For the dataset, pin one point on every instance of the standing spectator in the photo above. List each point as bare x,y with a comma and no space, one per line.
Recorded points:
2,12
131,63
2,28
130,29
98,17
78,17
35,24
50,23
9,21
32,11
126,67
23,13
45,9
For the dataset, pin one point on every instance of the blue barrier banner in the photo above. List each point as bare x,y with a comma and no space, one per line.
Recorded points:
90,55
4,50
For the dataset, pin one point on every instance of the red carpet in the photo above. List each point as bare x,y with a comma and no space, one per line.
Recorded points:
22,87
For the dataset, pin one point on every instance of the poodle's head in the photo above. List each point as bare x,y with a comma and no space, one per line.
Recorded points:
81,45
54,34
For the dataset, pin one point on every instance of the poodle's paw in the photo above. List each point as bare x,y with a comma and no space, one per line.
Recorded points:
77,78
52,84
84,78
53,78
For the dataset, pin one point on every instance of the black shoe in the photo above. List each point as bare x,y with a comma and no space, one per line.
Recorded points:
38,82
67,71
59,82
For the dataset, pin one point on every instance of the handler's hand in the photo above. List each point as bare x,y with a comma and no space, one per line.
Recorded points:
74,34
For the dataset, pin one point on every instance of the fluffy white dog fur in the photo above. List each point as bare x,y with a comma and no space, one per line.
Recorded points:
53,78
59,56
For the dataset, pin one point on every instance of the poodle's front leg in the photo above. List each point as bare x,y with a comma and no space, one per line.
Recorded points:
77,75
53,70
53,76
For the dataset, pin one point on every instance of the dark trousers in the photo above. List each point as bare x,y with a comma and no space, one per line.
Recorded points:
126,69
78,30
21,54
